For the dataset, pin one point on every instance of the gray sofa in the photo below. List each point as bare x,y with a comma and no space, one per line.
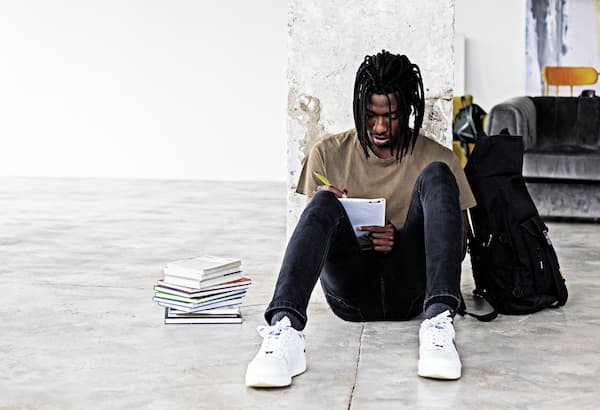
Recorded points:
561,163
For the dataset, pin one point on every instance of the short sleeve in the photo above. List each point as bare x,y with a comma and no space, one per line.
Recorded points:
312,163
467,200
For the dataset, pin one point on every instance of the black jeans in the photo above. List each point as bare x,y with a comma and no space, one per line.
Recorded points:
369,285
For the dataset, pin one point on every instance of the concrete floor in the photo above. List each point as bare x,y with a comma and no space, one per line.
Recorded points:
80,257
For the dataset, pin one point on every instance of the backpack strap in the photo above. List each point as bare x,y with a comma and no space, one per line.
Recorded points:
559,281
487,317
561,289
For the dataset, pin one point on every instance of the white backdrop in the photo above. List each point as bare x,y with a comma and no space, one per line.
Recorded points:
494,32
181,89
572,39
143,89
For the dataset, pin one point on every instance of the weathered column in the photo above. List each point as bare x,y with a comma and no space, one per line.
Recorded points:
327,42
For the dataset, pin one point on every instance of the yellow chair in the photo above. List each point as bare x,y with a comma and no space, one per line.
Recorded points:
570,76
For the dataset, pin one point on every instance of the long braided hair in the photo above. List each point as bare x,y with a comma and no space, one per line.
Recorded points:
386,73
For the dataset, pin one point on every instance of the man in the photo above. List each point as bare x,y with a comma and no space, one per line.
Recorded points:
409,265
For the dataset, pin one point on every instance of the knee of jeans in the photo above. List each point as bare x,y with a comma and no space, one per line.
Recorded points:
324,202
435,172
322,209
323,196
344,310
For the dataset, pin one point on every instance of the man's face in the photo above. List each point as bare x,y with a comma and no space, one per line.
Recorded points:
383,124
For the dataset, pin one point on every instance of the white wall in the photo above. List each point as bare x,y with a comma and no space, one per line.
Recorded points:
328,40
144,89
494,31
572,39
182,89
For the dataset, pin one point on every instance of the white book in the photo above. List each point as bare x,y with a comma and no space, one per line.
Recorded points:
201,266
222,311
199,300
241,284
199,318
364,212
195,305
198,284
196,276
174,305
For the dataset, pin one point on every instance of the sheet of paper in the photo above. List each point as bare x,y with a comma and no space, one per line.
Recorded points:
364,212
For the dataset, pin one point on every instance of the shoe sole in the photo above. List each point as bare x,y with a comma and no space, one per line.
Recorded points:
439,373
270,381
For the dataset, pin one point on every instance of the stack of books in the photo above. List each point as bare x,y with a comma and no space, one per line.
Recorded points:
206,289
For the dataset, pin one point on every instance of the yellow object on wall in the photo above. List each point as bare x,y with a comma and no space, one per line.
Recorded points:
459,151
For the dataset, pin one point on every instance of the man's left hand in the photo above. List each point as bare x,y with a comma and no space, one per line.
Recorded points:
382,237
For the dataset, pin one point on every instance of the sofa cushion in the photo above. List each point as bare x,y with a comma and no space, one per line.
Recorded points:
588,121
567,121
564,162
518,115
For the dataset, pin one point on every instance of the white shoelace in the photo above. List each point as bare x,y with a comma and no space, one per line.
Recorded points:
272,343
274,330
439,330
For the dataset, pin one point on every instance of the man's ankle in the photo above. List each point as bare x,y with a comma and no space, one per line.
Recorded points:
439,305
295,320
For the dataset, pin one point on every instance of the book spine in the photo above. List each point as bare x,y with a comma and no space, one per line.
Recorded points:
199,294
184,273
198,285
197,275
229,266
201,300
209,321
176,306
190,283
221,312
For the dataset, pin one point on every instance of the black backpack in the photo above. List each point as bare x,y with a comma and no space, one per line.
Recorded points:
514,263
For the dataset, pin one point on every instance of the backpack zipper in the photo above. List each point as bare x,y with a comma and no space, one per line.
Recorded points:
489,242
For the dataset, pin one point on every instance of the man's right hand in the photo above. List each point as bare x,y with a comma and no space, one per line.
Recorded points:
340,193
382,237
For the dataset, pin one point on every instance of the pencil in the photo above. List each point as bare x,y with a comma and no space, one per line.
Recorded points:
322,179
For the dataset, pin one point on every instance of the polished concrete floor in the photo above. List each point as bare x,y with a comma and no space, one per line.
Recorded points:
79,329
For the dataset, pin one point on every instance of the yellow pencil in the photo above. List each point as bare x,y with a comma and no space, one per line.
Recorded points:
322,179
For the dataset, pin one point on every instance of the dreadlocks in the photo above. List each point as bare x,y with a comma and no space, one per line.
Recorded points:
386,73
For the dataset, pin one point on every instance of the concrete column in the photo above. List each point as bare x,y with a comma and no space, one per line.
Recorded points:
327,42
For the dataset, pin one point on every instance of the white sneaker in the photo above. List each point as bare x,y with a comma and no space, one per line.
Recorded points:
438,357
281,356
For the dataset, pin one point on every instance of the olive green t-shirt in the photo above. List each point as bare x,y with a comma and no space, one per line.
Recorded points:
341,159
